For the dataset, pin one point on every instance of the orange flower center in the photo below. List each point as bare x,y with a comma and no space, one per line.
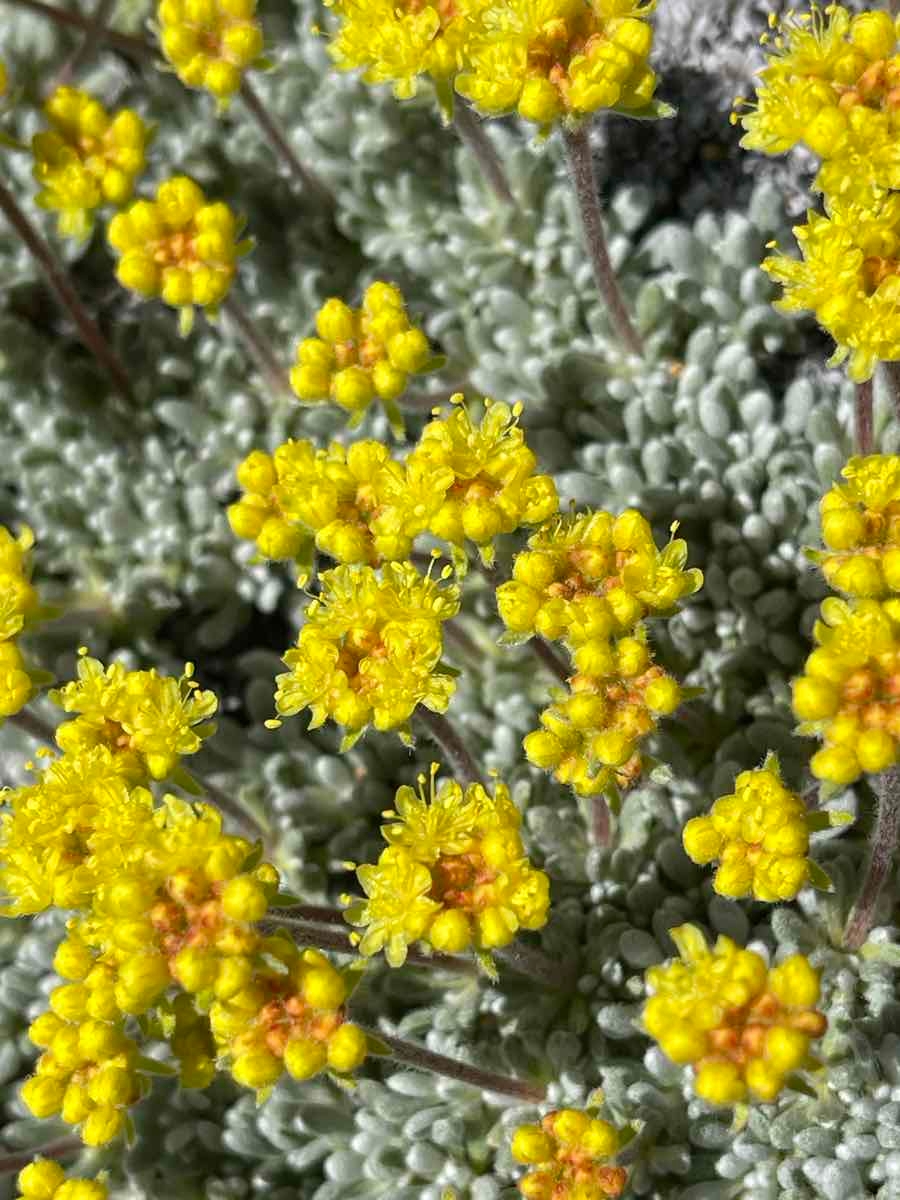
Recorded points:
742,1034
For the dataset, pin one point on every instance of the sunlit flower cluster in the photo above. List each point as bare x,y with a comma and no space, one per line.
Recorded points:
45,1179
210,43
759,835
569,1154
861,528
454,874
743,1026
361,354
87,158
369,651
19,607
549,59
832,83
179,247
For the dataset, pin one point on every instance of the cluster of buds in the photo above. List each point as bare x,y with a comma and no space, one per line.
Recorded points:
454,875
88,158
19,608
45,1179
179,247
743,1026
570,1155
210,43
861,528
361,354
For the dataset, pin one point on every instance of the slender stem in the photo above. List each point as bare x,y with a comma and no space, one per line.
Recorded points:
414,1055
275,137
34,726
258,345
864,436
61,1148
93,34
321,914
529,961
892,374
883,848
601,822
450,744
230,807
548,656
311,934
471,131
136,47
68,297
581,169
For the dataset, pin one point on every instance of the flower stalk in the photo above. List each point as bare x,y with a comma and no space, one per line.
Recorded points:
581,169
258,346
92,36
451,745
864,417
471,132
885,837
274,135
60,1148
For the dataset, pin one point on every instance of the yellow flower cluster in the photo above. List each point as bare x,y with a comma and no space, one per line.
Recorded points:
19,607
454,874
849,276
210,43
369,651
46,1180
87,158
549,59
861,528
591,575
178,247
849,693
832,83
361,354
590,736
355,504
759,835
569,1153
742,1025
395,42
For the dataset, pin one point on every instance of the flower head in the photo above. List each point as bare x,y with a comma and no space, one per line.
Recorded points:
849,276
591,734
549,59
361,354
848,693
494,486
179,247
832,83
743,1026
87,158
455,874
210,43
19,604
861,528
370,650
44,1179
759,835
569,1155
592,575
149,718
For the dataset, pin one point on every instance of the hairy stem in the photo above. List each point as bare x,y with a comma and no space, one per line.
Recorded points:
581,170
863,414
885,836
555,663
309,933
601,822
274,135
258,346
61,1148
135,47
34,726
892,375
470,129
451,745
61,284
413,1055
533,963
230,807
92,36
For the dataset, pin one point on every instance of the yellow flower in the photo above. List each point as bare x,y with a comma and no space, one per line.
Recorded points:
590,575
179,247
395,42
150,719
861,528
370,650
260,516
832,83
743,1026
494,486
849,276
591,734
569,1153
454,875
45,1179
759,835
18,599
87,158
210,43
549,59
361,354
848,694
